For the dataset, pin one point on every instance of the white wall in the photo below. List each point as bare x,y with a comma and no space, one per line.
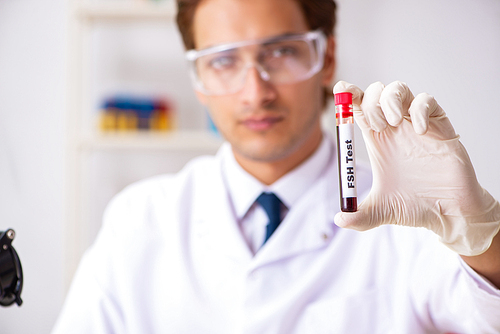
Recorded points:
32,79
142,59
448,48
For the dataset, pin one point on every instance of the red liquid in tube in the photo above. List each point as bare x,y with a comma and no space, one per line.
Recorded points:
346,153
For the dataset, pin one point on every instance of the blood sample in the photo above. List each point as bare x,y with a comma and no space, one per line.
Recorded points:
346,154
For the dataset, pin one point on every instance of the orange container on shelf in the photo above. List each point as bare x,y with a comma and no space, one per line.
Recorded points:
162,119
126,113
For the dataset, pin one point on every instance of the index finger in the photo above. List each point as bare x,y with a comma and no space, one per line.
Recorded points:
357,93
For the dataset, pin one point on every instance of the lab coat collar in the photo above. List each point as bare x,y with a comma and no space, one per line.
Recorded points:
214,221
307,226
242,187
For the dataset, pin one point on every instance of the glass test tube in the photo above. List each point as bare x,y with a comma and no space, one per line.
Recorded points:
346,154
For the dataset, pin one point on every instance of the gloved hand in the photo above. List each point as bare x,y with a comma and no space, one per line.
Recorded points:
422,174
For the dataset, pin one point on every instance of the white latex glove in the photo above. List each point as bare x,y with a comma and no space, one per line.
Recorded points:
422,174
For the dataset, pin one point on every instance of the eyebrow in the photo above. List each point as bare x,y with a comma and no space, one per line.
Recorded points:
264,40
277,38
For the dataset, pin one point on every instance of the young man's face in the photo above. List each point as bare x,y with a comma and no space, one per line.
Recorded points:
263,121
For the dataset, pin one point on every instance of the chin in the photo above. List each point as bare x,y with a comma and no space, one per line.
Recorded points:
265,151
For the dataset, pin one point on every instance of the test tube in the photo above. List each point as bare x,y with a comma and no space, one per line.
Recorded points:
346,154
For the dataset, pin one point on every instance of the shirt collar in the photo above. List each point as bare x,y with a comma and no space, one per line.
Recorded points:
243,188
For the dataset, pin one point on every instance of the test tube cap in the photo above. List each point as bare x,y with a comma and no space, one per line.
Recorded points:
343,98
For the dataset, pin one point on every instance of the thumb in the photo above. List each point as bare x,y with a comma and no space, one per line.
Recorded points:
361,220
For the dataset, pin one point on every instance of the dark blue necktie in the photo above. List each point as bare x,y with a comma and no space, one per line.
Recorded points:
272,205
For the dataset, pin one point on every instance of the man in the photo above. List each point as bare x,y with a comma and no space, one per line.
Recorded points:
197,252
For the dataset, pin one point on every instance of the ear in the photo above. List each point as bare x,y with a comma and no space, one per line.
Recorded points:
330,62
202,98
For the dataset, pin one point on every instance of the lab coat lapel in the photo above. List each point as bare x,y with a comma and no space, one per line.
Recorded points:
214,221
309,225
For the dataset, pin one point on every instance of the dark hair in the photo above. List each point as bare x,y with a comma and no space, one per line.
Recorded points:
319,14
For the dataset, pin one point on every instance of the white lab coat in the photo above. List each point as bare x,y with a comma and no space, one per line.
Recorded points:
170,258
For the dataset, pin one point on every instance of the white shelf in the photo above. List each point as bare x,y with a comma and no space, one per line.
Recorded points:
126,10
84,16
168,141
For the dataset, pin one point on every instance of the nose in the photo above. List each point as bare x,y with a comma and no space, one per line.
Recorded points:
258,91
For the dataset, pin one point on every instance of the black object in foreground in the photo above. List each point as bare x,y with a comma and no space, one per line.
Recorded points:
11,272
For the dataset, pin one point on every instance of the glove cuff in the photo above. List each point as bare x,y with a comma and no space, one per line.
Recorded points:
471,235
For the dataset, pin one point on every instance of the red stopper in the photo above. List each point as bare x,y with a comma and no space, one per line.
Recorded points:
343,98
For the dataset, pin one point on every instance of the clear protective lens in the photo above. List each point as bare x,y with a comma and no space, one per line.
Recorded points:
280,60
287,61
221,71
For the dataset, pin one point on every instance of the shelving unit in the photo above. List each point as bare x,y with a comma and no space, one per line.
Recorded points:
172,141
82,141
125,10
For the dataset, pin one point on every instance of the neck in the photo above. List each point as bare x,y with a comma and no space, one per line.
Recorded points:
269,172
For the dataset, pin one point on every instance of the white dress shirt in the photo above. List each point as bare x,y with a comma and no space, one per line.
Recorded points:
171,258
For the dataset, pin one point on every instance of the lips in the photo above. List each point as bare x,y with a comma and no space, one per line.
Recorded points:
261,123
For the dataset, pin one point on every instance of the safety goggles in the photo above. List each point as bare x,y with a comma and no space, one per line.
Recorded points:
223,69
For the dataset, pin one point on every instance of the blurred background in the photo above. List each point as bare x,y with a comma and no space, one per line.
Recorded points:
95,95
